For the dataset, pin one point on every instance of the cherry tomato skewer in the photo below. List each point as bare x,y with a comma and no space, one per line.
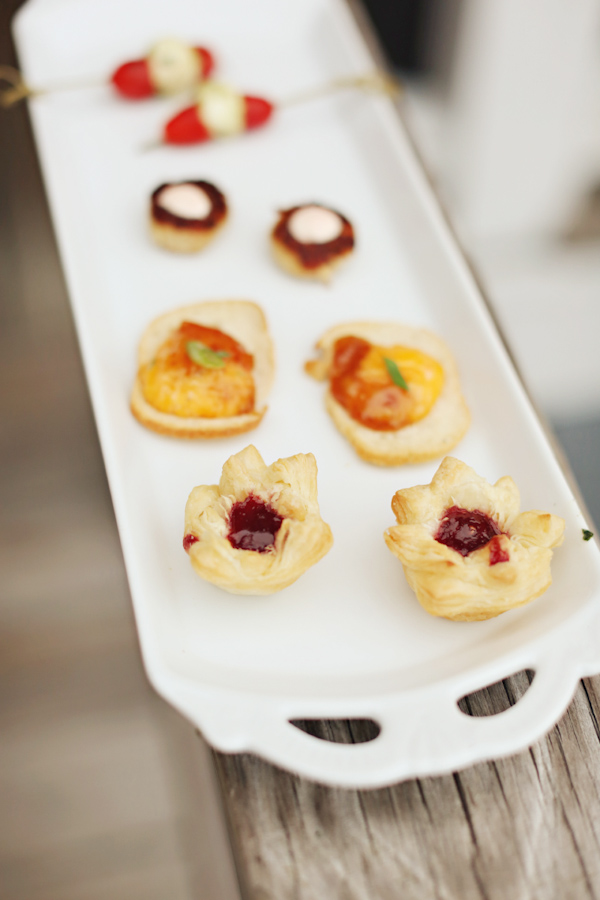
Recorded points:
134,79
169,67
221,112
188,127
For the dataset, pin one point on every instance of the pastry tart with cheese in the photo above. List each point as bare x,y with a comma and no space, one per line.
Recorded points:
467,551
393,392
204,370
311,241
260,528
185,216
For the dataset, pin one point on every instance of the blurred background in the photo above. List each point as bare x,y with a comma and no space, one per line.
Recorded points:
104,791
503,102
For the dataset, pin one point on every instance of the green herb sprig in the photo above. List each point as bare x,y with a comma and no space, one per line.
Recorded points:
395,373
204,356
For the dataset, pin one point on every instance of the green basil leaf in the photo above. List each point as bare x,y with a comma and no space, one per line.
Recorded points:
204,356
587,535
395,373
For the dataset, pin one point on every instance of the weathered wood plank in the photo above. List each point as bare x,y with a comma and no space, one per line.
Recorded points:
523,827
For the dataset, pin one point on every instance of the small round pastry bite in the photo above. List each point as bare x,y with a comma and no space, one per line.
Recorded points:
466,551
185,216
310,241
204,370
260,528
394,391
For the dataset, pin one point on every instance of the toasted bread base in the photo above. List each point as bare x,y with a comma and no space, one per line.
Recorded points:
244,321
183,240
291,264
429,438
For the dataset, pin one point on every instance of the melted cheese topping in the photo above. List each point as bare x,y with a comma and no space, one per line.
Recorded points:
173,66
315,225
221,109
362,384
188,201
173,383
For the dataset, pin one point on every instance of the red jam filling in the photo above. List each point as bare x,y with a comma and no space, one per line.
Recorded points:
188,540
253,525
497,552
466,530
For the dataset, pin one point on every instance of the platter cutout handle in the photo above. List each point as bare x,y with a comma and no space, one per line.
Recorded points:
424,733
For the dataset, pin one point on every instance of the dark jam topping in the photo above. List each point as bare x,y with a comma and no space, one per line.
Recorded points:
215,217
466,530
188,540
312,256
497,552
253,525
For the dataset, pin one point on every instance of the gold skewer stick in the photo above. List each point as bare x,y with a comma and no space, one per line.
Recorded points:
152,145
374,81
17,88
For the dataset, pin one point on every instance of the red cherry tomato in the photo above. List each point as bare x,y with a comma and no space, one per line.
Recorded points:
207,60
186,128
132,80
258,111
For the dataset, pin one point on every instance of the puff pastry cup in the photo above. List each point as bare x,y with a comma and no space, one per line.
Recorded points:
287,489
429,437
511,569
243,324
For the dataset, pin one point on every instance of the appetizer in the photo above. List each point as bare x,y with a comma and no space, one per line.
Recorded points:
204,370
170,67
394,391
466,551
310,241
219,111
186,216
260,528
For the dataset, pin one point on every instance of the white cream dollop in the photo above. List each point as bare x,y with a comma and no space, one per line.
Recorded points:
188,201
315,225
174,66
221,109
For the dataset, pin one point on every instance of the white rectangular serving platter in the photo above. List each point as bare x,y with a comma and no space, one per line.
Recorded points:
349,638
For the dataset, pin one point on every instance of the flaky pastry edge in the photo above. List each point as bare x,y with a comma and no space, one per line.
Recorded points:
289,485
469,588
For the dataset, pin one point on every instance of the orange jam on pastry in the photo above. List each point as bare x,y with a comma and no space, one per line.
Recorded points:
366,380
199,371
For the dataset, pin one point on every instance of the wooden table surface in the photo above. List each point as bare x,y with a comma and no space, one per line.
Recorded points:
524,827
